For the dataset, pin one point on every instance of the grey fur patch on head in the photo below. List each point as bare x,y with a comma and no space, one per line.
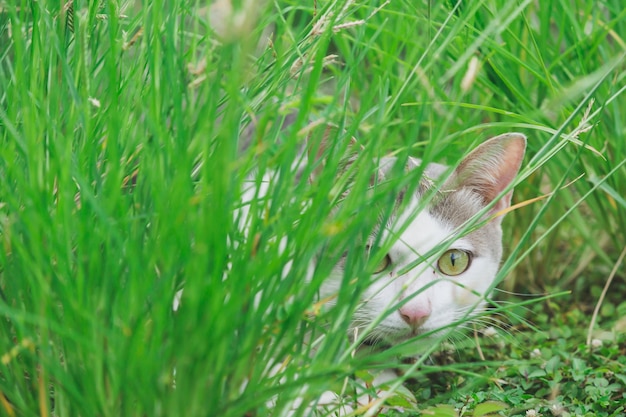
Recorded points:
456,208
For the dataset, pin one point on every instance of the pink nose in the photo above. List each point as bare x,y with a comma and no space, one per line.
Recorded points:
415,315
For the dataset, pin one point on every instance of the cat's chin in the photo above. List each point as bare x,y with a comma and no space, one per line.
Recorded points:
395,338
418,336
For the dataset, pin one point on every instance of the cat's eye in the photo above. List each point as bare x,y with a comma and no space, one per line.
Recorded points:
382,265
454,262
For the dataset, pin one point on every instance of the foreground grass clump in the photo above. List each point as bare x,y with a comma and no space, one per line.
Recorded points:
121,177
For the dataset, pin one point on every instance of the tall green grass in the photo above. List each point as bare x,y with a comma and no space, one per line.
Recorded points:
120,180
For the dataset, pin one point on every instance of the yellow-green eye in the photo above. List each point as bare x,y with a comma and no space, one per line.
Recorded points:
383,264
453,262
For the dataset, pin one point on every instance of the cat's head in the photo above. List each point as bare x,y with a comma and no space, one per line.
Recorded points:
425,289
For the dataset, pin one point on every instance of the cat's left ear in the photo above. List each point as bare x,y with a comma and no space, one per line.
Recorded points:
491,167
317,149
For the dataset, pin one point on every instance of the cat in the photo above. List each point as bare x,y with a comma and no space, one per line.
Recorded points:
430,291
446,288
426,295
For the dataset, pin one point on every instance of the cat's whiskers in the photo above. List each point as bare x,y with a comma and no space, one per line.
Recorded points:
457,334
524,321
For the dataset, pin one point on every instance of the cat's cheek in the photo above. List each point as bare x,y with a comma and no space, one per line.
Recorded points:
464,297
474,286
466,294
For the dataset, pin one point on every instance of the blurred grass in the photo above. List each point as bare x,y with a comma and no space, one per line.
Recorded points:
145,94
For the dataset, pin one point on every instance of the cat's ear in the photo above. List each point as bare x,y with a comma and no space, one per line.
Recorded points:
318,148
491,167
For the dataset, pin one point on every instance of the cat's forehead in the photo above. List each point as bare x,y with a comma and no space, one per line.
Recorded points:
452,206
455,208
423,231
436,202
449,210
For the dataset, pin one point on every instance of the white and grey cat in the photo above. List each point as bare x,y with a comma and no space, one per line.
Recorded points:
439,290
428,290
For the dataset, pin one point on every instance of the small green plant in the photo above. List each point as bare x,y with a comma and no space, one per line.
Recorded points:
536,373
